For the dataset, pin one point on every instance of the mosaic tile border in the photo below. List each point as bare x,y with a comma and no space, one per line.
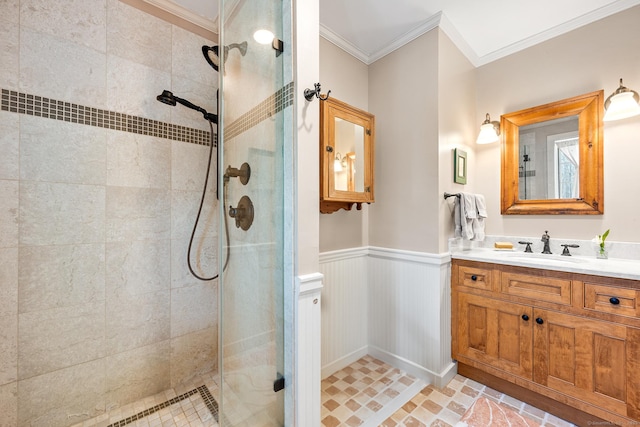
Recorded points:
277,102
34,105
211,403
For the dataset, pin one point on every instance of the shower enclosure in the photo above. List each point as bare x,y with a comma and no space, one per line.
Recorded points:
256,289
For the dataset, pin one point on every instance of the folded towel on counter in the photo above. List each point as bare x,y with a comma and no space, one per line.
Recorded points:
478,222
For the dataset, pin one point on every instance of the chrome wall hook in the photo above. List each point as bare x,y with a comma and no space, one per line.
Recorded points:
310,93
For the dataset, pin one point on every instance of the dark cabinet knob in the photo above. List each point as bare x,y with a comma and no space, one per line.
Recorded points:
614,300
525,317
539,321
474,277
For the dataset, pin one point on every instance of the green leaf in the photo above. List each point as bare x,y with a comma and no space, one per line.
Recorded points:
604,236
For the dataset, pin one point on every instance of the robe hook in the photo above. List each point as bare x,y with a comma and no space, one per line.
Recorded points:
310,93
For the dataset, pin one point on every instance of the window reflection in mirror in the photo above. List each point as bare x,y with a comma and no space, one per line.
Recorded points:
549,160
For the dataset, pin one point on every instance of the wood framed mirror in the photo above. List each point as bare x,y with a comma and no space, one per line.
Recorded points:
552,161
346,156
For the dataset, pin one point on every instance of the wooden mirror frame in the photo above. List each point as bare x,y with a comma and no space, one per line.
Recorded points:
332,199
589,109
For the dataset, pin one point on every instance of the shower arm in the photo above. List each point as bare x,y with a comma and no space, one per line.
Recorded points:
213,118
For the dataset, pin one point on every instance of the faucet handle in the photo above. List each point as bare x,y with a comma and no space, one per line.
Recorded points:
565,251
528,247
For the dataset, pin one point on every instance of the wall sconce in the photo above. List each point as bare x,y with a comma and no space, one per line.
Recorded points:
489,132
337,163
621,104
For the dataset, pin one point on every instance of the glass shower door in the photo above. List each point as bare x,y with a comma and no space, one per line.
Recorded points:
256,120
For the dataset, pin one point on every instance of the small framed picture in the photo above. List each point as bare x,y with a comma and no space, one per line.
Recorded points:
459,166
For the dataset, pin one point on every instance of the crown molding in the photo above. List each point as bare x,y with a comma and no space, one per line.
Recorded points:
580,21
181,12
328,34
440,20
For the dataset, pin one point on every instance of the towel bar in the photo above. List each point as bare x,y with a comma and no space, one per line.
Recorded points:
447,195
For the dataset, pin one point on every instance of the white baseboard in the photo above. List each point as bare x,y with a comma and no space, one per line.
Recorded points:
404,364
446,375
343,362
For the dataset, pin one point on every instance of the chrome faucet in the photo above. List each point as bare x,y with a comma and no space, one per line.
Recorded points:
545,239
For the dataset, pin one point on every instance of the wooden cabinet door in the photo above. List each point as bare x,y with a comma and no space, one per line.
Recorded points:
583,358
495,333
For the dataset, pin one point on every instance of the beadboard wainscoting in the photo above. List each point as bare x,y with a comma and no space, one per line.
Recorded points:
392,304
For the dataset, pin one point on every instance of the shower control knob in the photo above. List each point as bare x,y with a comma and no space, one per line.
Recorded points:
243,213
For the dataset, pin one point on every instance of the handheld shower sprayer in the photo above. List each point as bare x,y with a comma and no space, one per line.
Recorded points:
167,97
212,53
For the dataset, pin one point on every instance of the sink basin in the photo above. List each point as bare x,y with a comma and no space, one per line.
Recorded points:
521,256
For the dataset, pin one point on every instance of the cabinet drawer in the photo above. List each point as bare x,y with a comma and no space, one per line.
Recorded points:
610,299
478,278
537,287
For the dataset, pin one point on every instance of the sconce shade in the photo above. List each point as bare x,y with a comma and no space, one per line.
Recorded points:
489,132
621,104
337,164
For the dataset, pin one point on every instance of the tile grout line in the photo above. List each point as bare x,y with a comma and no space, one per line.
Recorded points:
393,405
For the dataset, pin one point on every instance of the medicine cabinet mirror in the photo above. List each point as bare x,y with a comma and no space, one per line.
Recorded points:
552,158
346,156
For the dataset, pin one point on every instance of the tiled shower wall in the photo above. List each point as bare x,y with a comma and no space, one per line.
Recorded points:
97,307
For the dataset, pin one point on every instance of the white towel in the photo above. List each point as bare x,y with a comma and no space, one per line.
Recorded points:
468,213
457,217
478,222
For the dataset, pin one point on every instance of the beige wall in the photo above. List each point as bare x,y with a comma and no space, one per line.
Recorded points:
587,59
347,78
307,121
403,94
457,127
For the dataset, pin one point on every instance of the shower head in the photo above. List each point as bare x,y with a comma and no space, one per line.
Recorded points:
167,97
212,53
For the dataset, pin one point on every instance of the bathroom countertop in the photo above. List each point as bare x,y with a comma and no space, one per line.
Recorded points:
612,267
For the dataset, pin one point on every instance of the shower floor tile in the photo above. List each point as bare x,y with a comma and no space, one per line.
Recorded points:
195,406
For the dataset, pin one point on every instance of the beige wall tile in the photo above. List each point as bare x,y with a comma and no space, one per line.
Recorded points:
53,339
132,88
10,10
189,166
188,61
204,260
53,399
138,373
48,64
8,282
79,21
9,139
61,276
9,404
137,268
194,308
8,213
57,151
199,94
138,161
136,321
61,213
138,214
138,36
9,51
184,208
8,349
193,355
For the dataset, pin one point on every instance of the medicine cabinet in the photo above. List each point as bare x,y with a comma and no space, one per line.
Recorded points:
346,156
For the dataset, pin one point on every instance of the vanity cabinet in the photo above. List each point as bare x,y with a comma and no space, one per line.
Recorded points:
567,343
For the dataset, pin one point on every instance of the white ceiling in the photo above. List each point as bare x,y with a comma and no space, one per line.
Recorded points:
483,30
